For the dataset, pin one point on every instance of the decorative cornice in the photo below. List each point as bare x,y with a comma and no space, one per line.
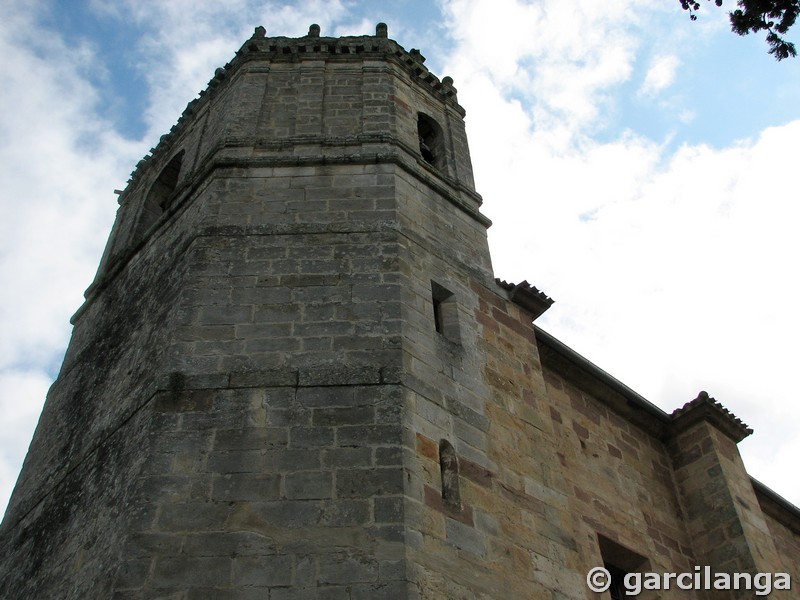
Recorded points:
706,408
527,296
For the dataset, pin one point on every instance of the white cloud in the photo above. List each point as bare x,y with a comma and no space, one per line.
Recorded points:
559,55
56,180
660,75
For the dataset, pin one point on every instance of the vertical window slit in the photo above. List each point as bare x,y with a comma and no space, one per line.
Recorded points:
445,312
437,314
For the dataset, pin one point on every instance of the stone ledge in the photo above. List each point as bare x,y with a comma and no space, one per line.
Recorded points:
448,188
326,375
527,296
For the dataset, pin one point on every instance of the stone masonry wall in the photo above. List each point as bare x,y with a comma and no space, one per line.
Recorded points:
284,491
618,481
787,545
510,535
293,267
67,545
291,285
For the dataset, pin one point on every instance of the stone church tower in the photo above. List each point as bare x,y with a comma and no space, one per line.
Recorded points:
295,377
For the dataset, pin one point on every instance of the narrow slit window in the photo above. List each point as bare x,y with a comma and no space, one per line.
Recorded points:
448,465
437,315
445,312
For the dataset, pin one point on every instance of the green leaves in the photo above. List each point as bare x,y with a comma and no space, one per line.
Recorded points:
775,17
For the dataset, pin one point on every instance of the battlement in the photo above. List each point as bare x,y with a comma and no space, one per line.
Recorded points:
379,45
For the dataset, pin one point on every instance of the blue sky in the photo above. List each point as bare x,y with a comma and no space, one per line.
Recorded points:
722,113
637,167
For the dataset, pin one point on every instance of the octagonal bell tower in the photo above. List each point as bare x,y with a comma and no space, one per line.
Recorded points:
233,415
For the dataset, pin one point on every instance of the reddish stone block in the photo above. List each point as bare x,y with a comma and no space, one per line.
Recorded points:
474,472
614,451
582,432
427,447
